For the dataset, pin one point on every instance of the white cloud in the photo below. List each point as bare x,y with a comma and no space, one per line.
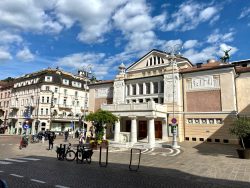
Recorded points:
245,13
79,60
25,55
29,15
92,16
4,54
190,44
190,15
135,22
7,37
216,37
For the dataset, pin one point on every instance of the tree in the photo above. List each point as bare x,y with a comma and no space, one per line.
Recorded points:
241,128
99,119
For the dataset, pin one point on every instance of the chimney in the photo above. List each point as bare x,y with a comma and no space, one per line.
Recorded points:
198,65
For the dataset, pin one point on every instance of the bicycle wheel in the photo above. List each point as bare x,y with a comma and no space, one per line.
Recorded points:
79,156
88,160
70,155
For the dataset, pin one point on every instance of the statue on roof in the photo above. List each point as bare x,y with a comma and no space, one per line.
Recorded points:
226,57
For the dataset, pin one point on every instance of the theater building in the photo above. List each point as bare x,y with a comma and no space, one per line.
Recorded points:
149,93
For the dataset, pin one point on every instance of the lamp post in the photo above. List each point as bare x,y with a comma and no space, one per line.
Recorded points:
174,52
87,72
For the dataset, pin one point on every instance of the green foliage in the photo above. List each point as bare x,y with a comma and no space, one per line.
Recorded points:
241,128
99,119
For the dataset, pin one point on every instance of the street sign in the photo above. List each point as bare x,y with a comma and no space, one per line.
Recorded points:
174,120
25,126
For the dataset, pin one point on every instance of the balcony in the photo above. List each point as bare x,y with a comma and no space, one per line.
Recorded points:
138,109
64,106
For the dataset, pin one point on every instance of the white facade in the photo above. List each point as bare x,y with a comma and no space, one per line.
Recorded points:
55,101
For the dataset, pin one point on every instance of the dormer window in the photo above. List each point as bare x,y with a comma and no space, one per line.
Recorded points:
65,82
48,78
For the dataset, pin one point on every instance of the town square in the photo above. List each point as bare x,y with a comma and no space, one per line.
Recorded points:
124,93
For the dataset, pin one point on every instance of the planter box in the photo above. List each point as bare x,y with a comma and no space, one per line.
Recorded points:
243,154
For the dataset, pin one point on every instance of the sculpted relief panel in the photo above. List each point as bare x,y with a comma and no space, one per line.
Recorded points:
203,82
168,88
119,91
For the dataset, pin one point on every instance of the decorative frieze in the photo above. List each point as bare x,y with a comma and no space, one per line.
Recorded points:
104,92
203,82
119,91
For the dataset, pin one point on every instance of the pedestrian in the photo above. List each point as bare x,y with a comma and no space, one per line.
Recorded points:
51,140
77,134
66,135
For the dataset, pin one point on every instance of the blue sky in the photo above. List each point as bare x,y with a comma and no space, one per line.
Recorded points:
71,34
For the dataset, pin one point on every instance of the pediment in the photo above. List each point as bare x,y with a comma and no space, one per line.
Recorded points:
153,59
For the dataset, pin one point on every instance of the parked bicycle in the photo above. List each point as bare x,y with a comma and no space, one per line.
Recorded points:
83,153
67,153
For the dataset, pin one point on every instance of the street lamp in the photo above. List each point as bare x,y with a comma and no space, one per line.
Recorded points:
174,53
87,72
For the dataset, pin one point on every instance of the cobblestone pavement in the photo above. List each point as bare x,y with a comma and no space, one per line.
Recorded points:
197,165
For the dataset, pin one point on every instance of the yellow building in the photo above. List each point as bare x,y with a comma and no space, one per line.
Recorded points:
147,95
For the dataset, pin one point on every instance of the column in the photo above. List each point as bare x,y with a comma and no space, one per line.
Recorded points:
144,88
151,131
133,133
151,87
117,131
137,88
165,129
130,89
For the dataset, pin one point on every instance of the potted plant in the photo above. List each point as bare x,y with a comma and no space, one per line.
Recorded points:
241,129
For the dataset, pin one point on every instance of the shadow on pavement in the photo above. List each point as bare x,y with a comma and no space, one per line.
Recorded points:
70,174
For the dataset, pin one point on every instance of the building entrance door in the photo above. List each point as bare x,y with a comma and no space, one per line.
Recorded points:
142,129
158,129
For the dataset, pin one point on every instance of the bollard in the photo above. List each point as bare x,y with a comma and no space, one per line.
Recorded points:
100,157
130,164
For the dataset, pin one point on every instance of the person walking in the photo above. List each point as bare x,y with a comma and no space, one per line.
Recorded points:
66,135
51,140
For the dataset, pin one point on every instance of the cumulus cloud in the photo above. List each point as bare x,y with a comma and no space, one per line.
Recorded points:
190,44
25,55
92,16
29,15
190,14
8,37
4,54
216,37
136,23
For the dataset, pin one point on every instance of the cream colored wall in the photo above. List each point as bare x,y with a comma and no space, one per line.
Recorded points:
243,93
91,99
228,98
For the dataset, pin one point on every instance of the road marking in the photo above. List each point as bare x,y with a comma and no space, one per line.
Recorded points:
5,162
144,151
38,181
177,152
61,186
3,144
16,175
29,159
15,160
1,171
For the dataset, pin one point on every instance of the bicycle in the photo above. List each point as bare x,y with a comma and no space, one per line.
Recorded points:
24,141
66,153
83,153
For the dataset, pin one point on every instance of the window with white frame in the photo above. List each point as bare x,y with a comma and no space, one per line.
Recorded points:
48,78
76,84
56,89
41,111
65,82
47,111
